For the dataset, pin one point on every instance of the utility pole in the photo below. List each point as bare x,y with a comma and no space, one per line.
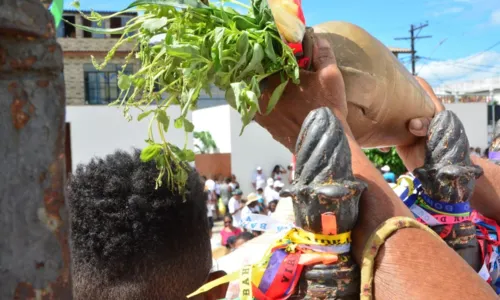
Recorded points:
412,39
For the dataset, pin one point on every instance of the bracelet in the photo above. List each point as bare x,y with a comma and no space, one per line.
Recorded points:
376,240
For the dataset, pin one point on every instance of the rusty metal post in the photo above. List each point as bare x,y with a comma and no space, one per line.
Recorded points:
34,252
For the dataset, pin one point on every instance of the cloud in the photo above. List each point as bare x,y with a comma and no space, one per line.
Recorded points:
448,11
495,17
477,66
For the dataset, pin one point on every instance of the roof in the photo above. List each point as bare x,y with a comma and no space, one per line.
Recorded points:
101,12
399,50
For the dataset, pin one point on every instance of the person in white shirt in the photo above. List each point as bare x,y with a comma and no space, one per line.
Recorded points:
258,179
235,207
210,185
269,191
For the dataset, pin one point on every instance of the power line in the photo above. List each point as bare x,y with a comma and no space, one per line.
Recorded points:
413,37
479,53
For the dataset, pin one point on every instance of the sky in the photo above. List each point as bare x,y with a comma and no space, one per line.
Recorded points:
465,42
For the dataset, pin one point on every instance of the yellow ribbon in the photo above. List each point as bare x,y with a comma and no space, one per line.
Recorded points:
253,273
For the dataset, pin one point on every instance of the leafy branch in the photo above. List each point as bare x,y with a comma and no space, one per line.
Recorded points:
199,46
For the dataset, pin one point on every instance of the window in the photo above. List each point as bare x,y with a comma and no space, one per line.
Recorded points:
66,30
101,87
87,34
117,22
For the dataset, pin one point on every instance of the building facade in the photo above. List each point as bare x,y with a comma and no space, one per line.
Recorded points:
84,83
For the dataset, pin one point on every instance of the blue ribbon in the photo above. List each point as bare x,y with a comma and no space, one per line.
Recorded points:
457,208
411,200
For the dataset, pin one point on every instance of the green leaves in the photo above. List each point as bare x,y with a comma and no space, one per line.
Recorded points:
124,82
150,152
276,95
154,24
196,47
174,3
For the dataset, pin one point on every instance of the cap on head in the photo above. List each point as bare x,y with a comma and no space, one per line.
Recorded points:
278,184
259,169
270,182
237,192
386,168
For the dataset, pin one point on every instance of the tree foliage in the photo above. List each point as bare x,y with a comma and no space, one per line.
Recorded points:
390,158
204,142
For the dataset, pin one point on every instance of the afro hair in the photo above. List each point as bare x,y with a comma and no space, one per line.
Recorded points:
119,221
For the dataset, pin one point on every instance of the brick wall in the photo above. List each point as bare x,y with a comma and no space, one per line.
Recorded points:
74,77
91,44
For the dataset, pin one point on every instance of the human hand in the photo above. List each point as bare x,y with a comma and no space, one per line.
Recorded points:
322,87
413,155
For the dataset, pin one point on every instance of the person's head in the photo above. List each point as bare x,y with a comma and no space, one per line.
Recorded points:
272,205
252,200
242,238
259,170
227,180
478,151
130,240
277,169
260,191
228,221
278,185
385,169
237,193
233,178
290,168
231,241
270,182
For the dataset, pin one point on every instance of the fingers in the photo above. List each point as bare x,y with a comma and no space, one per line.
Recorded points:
419,126
385,149
425,85
323,56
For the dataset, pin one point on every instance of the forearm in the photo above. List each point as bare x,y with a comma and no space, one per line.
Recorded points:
378,204
486,196
412,264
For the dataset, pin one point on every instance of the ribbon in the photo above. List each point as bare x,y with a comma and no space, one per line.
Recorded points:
276,275
57,11
447,208
258,222
494,155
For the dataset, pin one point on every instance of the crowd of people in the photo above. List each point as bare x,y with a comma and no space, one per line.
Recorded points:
226,201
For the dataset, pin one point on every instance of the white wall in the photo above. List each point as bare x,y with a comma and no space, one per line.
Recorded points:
100,130
215,120
474,117
254,148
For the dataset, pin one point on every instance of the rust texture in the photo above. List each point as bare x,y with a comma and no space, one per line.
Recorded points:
325,184
34,250
448,175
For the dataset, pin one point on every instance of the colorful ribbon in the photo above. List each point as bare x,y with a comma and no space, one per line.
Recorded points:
277,274
493,155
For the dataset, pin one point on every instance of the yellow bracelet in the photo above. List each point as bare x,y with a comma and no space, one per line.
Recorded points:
376,240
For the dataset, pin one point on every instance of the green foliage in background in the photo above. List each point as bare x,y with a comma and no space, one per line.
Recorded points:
204,142
390,158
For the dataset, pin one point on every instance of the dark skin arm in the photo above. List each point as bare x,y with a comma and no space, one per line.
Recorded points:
404,270
486,196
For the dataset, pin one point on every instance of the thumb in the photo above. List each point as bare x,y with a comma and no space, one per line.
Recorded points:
419,126
323,56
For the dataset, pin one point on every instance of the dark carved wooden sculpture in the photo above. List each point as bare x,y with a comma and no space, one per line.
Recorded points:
448,175
325,184
494,153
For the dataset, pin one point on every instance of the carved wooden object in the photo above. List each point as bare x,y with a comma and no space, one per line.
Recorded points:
448,175
325,183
